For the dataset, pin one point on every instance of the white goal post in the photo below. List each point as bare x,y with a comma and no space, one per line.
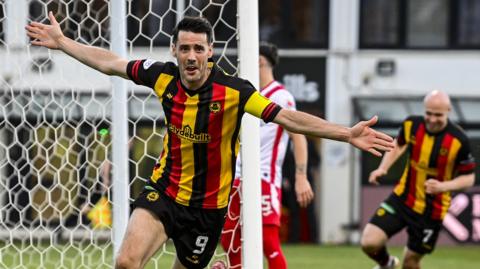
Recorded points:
252,254
60,122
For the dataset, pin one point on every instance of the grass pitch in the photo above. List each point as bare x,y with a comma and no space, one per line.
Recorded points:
298,256
347,257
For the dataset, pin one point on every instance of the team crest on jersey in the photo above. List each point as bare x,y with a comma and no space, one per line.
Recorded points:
215,107
380,212
443,151
153,196
147,63
422,165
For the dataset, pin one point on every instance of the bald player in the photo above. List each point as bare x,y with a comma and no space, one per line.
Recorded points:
439,162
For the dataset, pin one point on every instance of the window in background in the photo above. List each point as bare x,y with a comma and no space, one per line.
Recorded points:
380,23
427,23
300,23
468,30
420,24
469,109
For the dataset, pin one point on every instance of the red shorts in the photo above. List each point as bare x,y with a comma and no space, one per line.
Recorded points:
271,203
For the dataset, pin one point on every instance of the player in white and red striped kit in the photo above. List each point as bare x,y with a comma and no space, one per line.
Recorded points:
273,142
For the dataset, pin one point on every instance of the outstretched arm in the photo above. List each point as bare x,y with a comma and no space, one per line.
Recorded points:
303,190
360,135
51,36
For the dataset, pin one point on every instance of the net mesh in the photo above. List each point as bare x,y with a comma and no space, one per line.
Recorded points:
55,117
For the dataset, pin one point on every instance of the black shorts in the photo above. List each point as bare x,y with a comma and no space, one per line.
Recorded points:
195,232
392,216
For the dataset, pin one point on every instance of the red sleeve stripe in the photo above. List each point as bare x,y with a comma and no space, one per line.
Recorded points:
466,167
270,112
135,70
267,110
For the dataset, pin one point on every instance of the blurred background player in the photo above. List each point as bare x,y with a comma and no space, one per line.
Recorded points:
93,198
439,162
273,143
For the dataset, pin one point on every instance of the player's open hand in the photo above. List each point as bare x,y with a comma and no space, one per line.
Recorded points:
433,186
303,190
366,138
45,35
375,175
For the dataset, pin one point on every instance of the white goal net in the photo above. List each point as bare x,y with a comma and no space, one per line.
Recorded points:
56,121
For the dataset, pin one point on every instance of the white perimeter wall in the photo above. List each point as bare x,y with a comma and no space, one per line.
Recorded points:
417,72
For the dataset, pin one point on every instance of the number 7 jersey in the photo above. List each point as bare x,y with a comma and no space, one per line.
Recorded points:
442,156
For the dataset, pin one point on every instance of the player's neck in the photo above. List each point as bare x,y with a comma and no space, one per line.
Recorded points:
197,85
266,76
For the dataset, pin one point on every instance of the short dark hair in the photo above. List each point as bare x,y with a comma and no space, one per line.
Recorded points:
193,24
269,51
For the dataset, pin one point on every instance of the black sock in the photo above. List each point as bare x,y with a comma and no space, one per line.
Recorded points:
381,256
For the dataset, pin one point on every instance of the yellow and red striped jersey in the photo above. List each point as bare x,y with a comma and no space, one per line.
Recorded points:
197,164
442,156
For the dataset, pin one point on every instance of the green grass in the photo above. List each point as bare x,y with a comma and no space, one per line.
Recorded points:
298,256
343,257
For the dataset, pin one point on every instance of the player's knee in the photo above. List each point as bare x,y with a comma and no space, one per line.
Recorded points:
411,264
372,239
366,242
411,260
126,262
369,244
